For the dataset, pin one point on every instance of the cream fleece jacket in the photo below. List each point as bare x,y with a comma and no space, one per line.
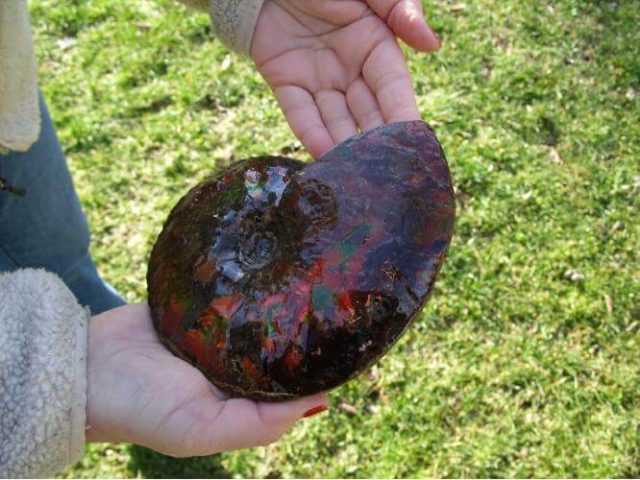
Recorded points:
233,22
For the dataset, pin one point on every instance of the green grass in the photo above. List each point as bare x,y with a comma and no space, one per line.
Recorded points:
513,369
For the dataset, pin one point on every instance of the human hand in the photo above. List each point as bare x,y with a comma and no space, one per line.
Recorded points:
138,392
335,65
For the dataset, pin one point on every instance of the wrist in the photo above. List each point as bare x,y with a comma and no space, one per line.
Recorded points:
97,424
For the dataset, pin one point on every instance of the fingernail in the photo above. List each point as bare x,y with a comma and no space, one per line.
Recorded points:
314,411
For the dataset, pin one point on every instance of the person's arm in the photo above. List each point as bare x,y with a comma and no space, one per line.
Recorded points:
335,67
56,364
43,344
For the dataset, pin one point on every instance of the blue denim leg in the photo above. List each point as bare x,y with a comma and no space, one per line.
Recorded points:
47,228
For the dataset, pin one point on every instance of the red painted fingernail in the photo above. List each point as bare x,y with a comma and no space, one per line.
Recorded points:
314,411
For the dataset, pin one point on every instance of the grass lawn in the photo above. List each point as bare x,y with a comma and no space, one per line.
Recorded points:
526,362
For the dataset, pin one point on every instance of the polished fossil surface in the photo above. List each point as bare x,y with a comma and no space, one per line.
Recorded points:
278,278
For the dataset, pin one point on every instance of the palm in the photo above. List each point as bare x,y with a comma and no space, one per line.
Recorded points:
140,393
335,65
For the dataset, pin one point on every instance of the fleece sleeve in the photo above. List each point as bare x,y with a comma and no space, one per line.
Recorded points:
19,110
233,21
43,345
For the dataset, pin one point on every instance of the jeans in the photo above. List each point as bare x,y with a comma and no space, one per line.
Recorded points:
47,228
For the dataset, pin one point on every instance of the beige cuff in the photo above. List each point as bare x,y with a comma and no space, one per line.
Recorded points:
78,419
234,22
19,110
43,374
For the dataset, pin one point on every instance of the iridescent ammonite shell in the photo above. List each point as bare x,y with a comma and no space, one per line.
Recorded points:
278,278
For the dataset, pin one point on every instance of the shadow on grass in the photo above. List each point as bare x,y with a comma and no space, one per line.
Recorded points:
149,464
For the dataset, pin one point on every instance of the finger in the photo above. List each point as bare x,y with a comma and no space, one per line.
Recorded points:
364,105
336,115
406,19
244,424
387,75
305,120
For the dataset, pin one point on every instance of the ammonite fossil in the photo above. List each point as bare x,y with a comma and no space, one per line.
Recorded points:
278,278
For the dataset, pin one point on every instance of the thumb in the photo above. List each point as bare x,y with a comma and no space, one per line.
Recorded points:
243,423
406,20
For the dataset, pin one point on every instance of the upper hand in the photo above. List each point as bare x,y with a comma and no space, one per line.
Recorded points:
335,66
138,392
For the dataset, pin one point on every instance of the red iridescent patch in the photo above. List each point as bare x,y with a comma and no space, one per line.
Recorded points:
279,279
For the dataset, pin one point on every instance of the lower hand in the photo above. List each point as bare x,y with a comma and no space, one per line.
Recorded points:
138,392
